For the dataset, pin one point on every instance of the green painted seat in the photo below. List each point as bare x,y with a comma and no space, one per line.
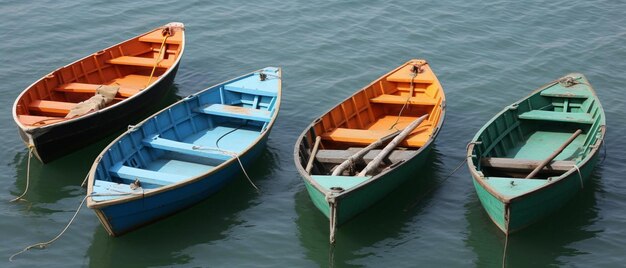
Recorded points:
345,182
575,91
583,118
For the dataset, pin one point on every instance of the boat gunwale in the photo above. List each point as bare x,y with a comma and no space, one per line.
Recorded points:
28,128
555,180
371,179
192,179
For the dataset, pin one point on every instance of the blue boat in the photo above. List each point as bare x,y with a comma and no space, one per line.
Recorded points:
184,153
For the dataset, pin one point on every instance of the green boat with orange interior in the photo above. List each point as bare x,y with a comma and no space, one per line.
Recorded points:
338,155
536,154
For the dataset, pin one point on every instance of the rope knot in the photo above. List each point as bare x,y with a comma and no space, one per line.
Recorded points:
167,31
567,81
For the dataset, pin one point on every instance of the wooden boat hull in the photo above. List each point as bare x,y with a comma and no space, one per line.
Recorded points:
516,140
527,210
387,105
349,206
141,69
59,140
184,153
122,218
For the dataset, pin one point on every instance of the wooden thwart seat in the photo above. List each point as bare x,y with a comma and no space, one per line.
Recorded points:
338,156
236,112
524,165
184,148
396,99
576,91
143,175
101,186
583,118
36,120
91,89
365,137
140,61
251,91
51,107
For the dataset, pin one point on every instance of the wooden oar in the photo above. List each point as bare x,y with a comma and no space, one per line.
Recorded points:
358,155
553,155
309,165
379,158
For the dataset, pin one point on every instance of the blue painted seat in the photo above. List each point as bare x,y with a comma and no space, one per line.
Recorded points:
251,91
184,148
106,190
254,86
583,118
146,176
236,112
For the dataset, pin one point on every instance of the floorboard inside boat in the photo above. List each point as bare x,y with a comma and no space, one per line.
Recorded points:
236,141
541,144
173,166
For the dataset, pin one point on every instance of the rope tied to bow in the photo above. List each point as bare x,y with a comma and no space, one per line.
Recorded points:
30,155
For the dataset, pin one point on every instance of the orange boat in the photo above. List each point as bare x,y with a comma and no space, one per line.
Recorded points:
84,101
336,155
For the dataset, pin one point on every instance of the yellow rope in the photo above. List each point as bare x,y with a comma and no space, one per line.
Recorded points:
158,59
30,155
408,98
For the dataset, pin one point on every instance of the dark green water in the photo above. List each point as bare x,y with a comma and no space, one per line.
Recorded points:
486,54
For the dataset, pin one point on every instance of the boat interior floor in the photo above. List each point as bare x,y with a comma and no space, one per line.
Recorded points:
382,127
183,159
541,144
52,111
522,159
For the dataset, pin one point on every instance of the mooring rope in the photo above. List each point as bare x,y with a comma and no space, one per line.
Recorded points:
580,176
233,154
166,33
413,75
43,245
436,186
332,219
30,155
85,180
442,181
331,256
506,238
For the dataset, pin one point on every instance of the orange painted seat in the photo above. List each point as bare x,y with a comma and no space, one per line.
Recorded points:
91,88
51,107
420,99
140,61
36,120
366,137
379,129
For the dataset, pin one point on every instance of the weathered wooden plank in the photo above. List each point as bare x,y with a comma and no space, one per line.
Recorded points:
338,156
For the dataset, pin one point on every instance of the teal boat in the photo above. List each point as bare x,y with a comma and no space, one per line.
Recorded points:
344,171
561,125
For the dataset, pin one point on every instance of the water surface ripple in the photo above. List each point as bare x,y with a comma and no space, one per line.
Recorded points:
487,54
